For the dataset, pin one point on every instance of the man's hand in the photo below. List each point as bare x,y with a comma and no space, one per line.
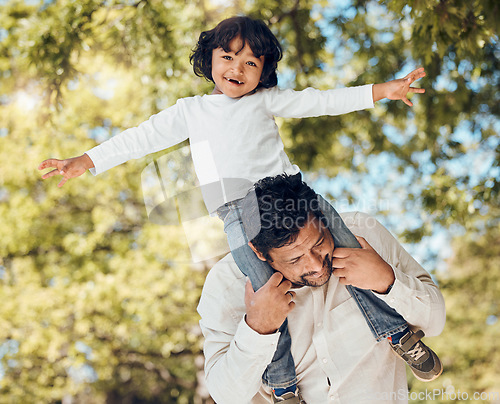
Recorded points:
399,89
268,307
362,268
69,168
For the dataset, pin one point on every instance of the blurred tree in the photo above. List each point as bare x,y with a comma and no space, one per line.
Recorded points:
469,345
98,304
455,122
93,294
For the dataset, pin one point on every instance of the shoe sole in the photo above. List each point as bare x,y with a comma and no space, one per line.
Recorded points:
433,377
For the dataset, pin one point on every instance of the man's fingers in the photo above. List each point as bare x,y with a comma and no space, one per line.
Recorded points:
275,279
249,289
416,90
339,272
339,262
363,242
51,174
340,252
284,286
343,281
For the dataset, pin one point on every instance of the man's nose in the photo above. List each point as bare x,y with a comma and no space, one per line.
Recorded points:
314,262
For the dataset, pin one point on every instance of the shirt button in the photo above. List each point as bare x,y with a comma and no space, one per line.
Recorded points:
319,325
332,398
325,360
392,300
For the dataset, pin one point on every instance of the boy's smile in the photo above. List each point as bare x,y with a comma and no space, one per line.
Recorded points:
237,72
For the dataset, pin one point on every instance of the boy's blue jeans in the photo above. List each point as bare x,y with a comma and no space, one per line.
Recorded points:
382,320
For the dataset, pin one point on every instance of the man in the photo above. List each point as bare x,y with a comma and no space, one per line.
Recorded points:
337,359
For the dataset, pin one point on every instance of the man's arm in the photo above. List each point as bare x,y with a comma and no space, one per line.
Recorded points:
234,359
413,293
240,334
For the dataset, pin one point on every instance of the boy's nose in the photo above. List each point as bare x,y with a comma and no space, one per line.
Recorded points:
237,67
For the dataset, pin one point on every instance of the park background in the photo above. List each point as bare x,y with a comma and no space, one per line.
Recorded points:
98,302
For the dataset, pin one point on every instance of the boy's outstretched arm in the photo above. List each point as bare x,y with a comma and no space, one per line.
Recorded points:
399,88
69,168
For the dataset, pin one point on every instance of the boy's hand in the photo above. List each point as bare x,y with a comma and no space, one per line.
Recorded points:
69,168
398,89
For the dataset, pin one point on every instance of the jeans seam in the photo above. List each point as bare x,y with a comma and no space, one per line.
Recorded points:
367,317
392,332
371,325
282,385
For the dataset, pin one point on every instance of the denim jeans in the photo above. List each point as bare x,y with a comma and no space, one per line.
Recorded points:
382,320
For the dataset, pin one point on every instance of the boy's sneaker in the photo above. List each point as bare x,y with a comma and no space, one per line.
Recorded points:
423,361
289,398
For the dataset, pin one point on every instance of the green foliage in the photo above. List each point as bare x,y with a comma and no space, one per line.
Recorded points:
469,345
98,304
460,54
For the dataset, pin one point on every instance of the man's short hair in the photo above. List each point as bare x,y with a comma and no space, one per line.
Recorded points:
275,211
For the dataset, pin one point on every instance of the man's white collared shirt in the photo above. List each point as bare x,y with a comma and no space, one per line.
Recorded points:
336,356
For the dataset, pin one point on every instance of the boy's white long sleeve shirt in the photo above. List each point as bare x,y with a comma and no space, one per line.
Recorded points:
337,359
234,142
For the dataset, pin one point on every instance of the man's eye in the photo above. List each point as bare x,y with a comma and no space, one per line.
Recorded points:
320,243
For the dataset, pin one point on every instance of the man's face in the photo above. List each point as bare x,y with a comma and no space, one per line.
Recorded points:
308,260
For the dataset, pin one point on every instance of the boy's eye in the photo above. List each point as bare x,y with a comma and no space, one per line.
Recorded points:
227,57
251,64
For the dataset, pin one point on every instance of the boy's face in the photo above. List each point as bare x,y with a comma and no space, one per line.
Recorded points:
237,72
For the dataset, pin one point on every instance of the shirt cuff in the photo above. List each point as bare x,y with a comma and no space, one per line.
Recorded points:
94,171
369,95
250,340
400,293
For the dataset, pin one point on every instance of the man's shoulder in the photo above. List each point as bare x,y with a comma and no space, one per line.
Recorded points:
367,226
224,275
223,295
358,219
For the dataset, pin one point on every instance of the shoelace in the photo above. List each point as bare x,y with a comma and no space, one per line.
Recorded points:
416,353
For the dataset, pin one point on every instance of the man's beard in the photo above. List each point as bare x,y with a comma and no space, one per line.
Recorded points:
327,266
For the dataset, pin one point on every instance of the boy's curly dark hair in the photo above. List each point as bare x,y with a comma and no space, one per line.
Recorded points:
252,32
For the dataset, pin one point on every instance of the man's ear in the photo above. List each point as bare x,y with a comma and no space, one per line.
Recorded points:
257,253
